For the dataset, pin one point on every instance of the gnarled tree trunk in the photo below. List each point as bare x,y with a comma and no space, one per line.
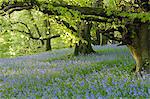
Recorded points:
140,46
84,33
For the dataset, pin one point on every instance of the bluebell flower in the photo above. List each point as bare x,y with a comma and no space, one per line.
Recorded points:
140,93
130,92
1,94
125,80
135,92
149,91
92,96
87,95
82,83
93,87
100,97
42,71
4,80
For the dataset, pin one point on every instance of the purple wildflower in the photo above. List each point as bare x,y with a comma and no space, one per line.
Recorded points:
93,87
82,83
149,91
42,71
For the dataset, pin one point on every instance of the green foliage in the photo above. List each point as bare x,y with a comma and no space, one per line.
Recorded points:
110,5
10,45
145,16
75,2
123,8
29,46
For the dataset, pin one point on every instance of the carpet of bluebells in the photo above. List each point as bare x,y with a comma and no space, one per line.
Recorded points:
60,75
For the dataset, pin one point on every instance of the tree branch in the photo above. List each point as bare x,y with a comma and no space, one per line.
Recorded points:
36,38
19,31
36,27
44,7
83,10
66,24
108,33
30,33
125,40
92,18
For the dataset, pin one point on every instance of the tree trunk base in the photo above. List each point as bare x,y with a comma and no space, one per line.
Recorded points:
83,49
142,62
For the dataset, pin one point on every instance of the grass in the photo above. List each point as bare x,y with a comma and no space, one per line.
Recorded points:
59,75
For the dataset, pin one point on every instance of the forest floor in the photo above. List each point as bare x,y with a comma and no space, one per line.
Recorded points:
59,74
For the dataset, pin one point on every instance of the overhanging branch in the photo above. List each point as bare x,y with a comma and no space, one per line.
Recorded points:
50,11
84,10
44,7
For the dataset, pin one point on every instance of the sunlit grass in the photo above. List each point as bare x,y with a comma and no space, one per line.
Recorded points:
59,74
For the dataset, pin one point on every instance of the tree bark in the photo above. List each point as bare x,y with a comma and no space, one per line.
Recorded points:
84,33
98,38
48,45
104,40
140,46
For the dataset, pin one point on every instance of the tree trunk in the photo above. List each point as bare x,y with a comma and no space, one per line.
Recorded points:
100,38
104,40
84,45
97,41
48,44
140,46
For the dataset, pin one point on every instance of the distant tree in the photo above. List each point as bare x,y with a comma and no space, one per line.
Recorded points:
34,31
31,35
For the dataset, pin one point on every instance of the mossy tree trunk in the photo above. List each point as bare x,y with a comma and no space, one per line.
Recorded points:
84,45
140,46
